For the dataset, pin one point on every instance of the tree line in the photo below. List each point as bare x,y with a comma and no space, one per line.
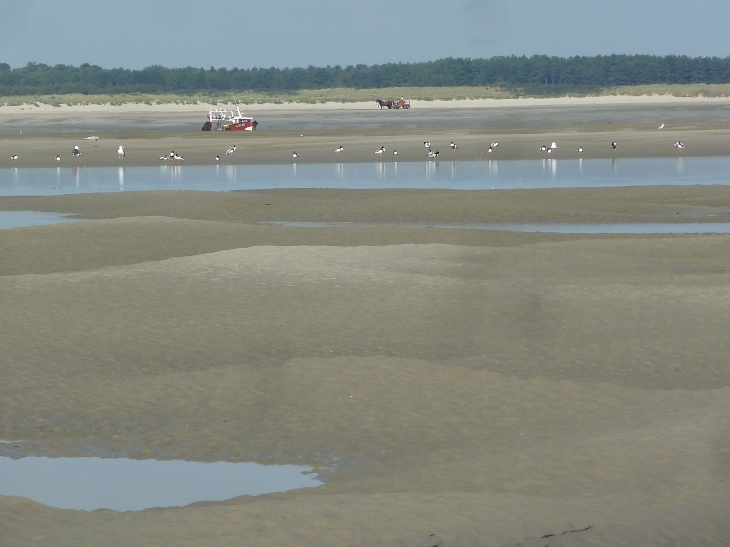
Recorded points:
598,71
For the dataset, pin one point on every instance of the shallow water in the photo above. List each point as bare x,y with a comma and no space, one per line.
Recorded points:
619,228
467,175
21,219
123,484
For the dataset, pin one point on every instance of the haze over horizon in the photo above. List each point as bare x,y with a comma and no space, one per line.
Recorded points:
283,33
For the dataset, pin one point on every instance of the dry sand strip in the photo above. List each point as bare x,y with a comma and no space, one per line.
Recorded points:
571,392
277,147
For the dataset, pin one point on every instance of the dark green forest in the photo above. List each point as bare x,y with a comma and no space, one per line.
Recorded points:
600,71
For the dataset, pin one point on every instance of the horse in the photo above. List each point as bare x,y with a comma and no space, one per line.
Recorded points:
386,104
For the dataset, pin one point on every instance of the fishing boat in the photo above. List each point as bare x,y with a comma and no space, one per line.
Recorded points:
228,120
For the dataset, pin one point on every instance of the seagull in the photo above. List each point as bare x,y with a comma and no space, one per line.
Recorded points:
453,145
340,149
433,155
580,149
295,155
427,144
14,157
679,145
543,148
92,138
217,158
395,152
614,145
661,126
58,158
120,152
76,151
380,151
231,151
554,145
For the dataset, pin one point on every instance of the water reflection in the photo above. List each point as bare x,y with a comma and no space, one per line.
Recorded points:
680,165
121,178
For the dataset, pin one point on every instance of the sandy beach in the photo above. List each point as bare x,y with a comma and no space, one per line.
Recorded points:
455,387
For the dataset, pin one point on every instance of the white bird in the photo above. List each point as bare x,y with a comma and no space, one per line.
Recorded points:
495,144
549,150
164,158
395,152
614,145
340,149
58,158
231,151
679,145
543,148
120,152
295,155
380,151
554,145
433,155
76,151
453,145
661,126
92,138
490,149
177,157
14,157
580,149
217,158
427,144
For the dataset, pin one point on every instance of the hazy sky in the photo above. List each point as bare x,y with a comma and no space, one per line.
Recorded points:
288,33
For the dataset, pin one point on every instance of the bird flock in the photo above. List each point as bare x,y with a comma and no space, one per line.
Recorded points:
431,154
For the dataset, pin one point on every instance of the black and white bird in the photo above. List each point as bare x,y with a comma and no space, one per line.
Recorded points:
164,158
433,155
453,145
549,151
554,145
14,157
231,151
427,144
679,145
543,148
614,145
380,151
217,158
76,152
340,149
295,155
495,144
395,152
661,126
490,150
91,138
58,158
580,149
120,152
178,157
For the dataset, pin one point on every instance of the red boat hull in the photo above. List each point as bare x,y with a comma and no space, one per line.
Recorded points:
245,126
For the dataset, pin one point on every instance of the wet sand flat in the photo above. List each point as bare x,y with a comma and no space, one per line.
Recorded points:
454,387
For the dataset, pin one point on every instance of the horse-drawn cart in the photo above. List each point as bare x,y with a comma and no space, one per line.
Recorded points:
394,104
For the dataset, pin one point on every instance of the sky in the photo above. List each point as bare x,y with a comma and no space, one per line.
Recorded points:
289,33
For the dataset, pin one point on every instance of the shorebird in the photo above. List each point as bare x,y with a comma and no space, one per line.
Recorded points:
164,158
177,157
495,144
614,145
427,144
490,149
58,158
295,155
543,148
231,151
554,145
679,145
380,151
217,158
453,145
76,152
14,157
340,149
661,126
120,152
395,152
549,150
92,138
580,149
433,155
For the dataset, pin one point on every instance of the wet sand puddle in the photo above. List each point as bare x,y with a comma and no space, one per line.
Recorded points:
467,175
122,484
22,219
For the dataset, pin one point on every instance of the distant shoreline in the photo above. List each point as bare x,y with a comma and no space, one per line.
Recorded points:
131,106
